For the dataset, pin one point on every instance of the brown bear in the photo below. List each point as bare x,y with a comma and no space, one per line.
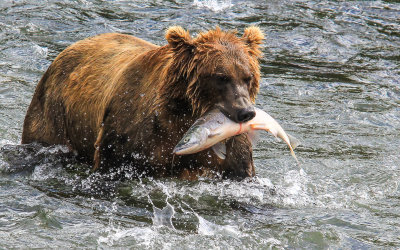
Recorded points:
117,100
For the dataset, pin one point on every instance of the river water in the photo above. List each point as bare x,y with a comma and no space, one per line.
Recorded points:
330,76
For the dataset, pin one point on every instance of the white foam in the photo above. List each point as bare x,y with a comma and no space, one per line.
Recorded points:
46,171
206,227
143,236
214,5
5,142
40,51
294,188
273,243
54,149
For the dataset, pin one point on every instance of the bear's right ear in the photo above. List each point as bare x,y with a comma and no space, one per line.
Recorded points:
177,37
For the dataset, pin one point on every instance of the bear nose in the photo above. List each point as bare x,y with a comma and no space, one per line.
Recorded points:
246,114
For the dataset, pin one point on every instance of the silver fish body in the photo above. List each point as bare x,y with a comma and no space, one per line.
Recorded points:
215,127
198,137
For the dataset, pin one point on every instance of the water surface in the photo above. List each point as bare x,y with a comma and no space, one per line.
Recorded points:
330,75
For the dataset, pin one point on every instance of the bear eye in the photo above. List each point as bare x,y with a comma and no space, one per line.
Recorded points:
247,80
222,78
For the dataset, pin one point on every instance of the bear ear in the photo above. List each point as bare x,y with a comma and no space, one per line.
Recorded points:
177,36
253,37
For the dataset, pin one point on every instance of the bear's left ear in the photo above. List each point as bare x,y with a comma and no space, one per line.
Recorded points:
177,37
253,37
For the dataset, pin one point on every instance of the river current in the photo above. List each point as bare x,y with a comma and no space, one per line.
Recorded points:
330,76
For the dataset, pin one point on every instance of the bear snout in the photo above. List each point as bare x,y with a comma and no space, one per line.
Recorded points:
246,114
238,115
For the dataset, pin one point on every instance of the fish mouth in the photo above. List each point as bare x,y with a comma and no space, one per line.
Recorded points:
185,149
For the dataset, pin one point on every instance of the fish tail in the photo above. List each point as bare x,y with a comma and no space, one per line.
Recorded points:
293,154
294,142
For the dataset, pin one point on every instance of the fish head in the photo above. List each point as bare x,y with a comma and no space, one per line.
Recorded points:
192,141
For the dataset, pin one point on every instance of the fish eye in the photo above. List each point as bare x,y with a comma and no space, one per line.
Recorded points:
186,139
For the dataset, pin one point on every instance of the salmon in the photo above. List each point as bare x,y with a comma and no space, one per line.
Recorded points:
214,127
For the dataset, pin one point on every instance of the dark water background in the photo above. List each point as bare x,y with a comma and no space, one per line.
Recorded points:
330,75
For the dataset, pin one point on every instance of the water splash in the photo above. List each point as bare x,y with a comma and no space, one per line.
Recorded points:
206,227
293,190
115,233
163,217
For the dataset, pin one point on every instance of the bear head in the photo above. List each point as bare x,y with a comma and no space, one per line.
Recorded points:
217,69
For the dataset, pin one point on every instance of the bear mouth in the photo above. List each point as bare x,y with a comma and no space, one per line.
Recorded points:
236,114
222,109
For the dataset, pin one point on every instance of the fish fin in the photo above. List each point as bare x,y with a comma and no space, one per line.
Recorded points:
220,150
213,134
294,142
253,137
261,126
257,126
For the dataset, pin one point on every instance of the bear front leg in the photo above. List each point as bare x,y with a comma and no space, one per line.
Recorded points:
107,154
239,158
97,145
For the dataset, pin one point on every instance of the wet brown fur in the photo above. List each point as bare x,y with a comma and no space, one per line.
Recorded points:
116,99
